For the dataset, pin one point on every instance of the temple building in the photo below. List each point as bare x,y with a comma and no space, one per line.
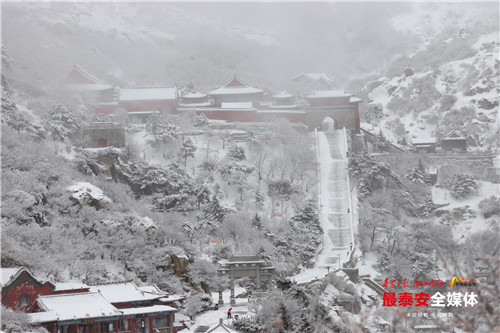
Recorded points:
339,105
81,308
236,93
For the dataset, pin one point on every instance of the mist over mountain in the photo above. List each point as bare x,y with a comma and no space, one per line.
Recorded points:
168,43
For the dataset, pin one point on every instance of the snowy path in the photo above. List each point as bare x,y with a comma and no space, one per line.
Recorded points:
334,204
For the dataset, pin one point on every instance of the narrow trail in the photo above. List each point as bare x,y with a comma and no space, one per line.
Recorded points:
335,210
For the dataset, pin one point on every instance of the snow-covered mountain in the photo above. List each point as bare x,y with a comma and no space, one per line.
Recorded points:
449,83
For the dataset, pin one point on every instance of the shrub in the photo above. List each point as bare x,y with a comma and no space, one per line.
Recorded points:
461,185
490,206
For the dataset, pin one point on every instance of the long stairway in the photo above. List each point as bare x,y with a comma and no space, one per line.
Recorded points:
334,200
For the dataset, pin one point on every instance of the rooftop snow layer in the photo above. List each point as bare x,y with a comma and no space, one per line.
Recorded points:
421,141
148,309
329,93
70,286
235,91
125,292
148,94
76,306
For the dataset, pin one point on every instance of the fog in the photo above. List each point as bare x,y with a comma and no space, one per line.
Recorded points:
170,43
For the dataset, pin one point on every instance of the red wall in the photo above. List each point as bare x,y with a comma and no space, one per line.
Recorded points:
16,292
73,291
328,101
252,116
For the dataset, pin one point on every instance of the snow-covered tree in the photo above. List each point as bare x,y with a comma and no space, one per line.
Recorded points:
200,120
204,274
237,153
422,265
490,206
428,208
60,122
14,118
193,305
163,131
256,221
188,149
214,210
146,180
461,185
248,324
418,175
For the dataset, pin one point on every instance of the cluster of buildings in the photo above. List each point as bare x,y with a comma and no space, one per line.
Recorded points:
234,101
453,141
81,308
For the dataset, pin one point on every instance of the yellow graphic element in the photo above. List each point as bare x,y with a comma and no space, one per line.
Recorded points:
453,281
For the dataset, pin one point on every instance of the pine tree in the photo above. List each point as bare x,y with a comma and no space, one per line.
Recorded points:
304,324
285,317
256,221
461,185
259,199
60,122
162,131
237,153
428,208
418,175
188,150
214,210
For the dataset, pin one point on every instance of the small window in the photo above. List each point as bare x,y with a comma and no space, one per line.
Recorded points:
160,321
24,300
123,325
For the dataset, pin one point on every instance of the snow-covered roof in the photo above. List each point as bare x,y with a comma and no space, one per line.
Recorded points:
235,86
236,105
172,298
454,135
188,105
151,289
148,309
355,100
79,78
89,87
315,77
422,141
148,94
76,306
70,286
282,94
9,274
125,292
277,106
42,317
195,94
141,112
329,94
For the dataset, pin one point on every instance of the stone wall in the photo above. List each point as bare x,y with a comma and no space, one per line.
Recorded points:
100,135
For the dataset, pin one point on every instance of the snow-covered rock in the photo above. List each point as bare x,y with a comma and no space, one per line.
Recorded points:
87,194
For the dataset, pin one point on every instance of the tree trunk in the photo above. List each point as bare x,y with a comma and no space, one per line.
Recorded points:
373,237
